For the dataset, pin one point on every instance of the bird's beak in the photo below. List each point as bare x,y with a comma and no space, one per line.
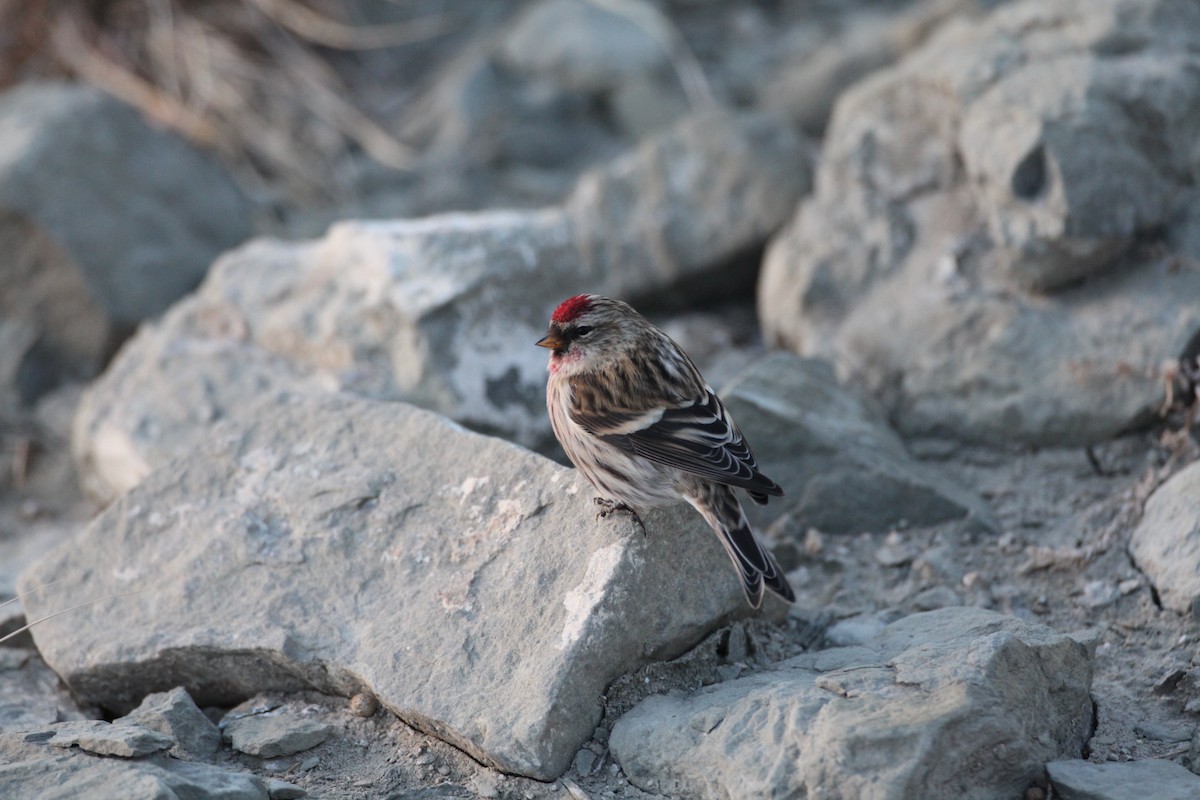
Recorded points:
551,341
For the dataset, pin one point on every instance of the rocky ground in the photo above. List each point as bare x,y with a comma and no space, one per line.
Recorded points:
303,532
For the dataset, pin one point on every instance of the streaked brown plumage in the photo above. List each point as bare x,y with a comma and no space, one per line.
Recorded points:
638,420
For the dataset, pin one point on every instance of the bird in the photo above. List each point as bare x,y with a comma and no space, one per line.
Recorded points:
638,420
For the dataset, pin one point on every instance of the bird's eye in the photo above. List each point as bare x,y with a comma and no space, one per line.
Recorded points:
583,330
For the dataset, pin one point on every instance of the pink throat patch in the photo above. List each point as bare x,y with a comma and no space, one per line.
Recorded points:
571,308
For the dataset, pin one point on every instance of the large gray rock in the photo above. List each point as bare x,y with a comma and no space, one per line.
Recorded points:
107,220
443,311
1162,780
965,193
347,545
840,465
1166,542
959,702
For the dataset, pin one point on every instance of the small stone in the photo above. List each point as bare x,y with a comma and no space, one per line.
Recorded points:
1097,594
1172,734
106,739
483,784
972,580
364,704
854,630
13,657
1169,681
585,762
282,790
935,597
310,763
1035,793
274,735
174,714
728,672
1129,586
814,542
894,552
736,644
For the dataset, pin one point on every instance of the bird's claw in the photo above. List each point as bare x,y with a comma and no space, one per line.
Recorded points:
611,506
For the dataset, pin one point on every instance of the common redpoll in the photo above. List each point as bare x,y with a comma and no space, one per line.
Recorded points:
637,419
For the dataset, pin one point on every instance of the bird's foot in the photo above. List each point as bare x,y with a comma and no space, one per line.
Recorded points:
611,506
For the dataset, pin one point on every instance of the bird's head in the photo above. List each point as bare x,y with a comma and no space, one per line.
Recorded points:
587,331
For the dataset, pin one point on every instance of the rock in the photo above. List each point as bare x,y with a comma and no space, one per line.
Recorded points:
942,259
273,735
842,468
648,105
673,213
174,714
32,768
1166,543
104,738
959,702
345,545
282,790
935,597
1083,780
29,696
364,705
107,221
825,57
441,312
854,630
583,45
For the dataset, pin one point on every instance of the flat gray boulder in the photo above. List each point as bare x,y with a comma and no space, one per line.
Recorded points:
959,702
330,542
34,767
1166,542
971,252
830,448
1160,779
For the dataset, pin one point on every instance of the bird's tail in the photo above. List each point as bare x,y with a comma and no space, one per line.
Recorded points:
755,564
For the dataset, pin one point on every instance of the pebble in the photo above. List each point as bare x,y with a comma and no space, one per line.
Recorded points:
1097,594
585,762
814,542
364,704
854,630
1169,681
894,552
282,790
936,597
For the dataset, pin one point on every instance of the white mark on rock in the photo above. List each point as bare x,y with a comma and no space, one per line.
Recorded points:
581,602
471,484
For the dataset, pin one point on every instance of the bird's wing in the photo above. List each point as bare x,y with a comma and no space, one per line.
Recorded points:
697,437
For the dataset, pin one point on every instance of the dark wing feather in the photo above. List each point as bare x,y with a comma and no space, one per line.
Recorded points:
699,438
